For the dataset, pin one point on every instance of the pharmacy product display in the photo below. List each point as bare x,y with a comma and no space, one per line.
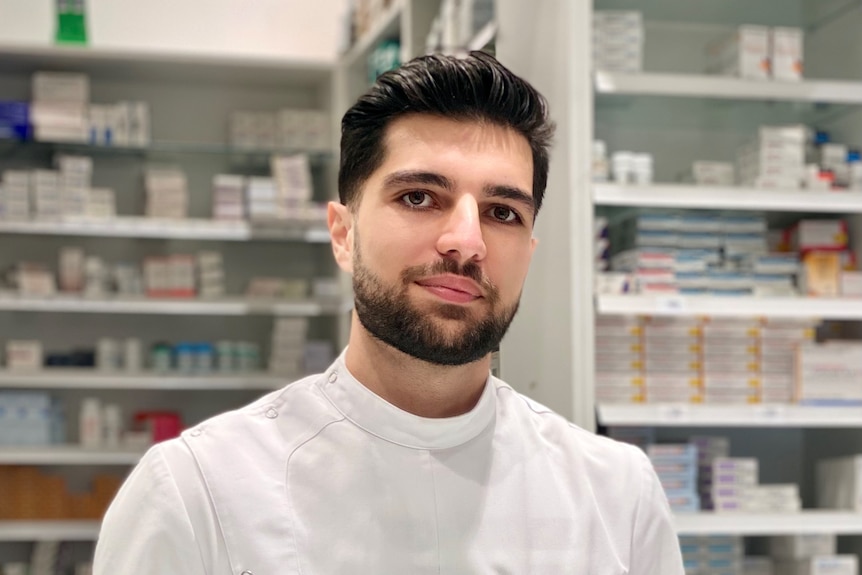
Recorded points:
175,199
695,253
175,276
741,321
49,556
747,51
788,157
787,555
721,361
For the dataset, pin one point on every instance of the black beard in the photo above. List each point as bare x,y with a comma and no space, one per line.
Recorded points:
387,314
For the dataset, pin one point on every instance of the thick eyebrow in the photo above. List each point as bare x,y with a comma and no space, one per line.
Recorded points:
511,193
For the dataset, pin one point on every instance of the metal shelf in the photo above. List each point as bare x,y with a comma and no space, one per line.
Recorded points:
141,305
701,415
87,378
163,66
808,521
66,455
728,306
715,198
154,228
163,148
46,530
727,88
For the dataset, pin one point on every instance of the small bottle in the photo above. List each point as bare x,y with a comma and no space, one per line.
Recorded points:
112,424
90,422
107,354
133,360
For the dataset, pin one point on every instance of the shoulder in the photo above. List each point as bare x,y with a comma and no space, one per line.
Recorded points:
566,442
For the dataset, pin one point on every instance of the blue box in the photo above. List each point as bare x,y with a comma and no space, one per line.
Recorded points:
15,120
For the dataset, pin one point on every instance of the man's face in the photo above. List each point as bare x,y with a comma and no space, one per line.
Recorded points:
442,238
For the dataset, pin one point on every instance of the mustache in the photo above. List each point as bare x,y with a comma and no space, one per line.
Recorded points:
449,266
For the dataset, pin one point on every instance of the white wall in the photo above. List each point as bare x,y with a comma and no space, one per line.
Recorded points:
303,29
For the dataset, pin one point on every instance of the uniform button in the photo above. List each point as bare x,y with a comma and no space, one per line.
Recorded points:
271,413
195,432
333,376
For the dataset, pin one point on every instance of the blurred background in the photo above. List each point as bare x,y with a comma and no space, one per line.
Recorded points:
164,171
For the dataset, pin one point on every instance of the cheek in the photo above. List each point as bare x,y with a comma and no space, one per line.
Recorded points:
511,269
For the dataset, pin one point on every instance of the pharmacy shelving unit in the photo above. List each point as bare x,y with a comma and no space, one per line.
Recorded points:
25,531
680,196
678,114
165,229
182,307
712,115
68,455
86,378
745,416
191,97
805,522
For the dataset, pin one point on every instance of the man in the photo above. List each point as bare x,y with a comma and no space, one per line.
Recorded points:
405,456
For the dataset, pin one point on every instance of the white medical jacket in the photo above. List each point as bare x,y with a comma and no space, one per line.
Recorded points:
325,477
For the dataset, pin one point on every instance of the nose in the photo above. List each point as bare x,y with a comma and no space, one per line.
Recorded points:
462,237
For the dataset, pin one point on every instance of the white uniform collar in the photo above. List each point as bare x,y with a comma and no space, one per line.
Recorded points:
379,417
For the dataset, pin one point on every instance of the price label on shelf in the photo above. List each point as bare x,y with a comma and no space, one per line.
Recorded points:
674,412
768,412
671,304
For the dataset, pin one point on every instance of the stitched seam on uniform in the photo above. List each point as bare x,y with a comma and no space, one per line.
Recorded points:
436,511
287,489
183,502
386,439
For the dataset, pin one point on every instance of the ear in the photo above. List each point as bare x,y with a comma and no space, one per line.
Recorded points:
534,241
340,221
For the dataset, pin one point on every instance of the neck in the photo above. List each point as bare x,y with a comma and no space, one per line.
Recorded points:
413,385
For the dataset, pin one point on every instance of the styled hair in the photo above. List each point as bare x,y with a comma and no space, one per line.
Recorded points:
472,88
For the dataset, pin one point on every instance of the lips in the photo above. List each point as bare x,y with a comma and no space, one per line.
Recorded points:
453,283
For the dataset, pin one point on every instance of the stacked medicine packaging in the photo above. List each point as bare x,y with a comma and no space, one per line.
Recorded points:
695,253
287,195
55,194
618,41
810,554
167,194
30,418
287,129
292,354
709,449
61,112
288,345
736,488
713,554
775,159
695,360
676,467
759,53
829,373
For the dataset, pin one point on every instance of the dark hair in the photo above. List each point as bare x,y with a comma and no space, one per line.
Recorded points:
475,87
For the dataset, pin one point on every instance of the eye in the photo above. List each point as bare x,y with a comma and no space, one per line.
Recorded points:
505,214
417,199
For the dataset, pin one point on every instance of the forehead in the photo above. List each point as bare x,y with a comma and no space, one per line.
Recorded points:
472,148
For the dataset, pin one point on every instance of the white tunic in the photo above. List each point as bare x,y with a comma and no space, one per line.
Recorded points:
325,477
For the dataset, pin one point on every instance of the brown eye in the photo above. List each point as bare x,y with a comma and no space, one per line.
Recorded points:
417,199
505,214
